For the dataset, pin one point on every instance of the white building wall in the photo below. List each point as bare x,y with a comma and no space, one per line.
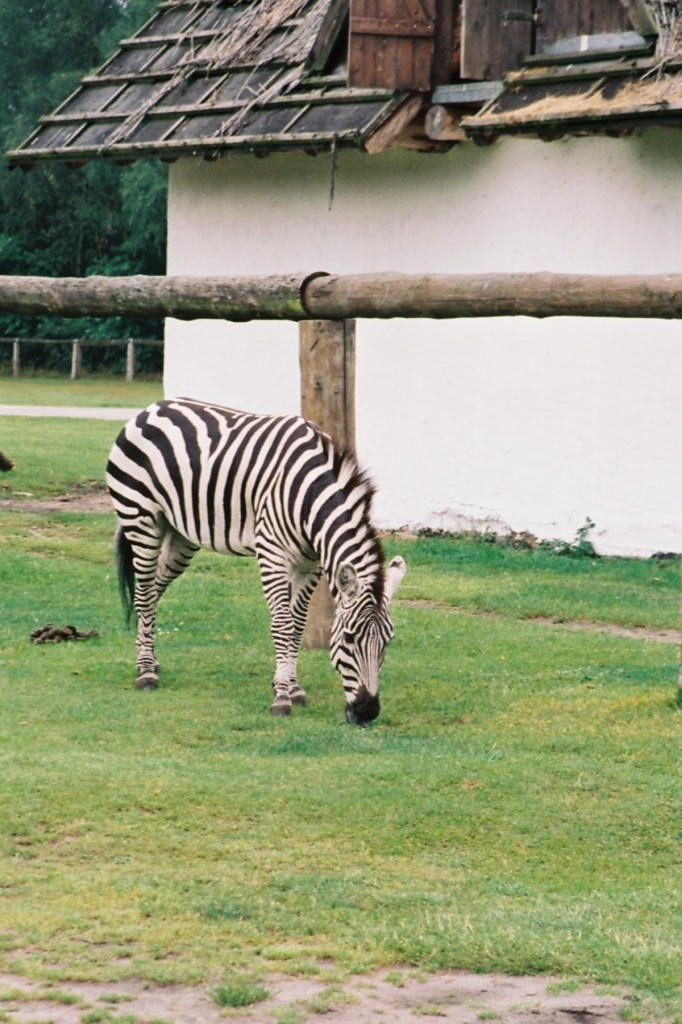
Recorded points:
511,422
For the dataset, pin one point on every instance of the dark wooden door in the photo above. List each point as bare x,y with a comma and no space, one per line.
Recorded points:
496,36
391,43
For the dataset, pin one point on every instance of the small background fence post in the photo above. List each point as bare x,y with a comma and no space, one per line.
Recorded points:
16,358
76,360
327,363
130,360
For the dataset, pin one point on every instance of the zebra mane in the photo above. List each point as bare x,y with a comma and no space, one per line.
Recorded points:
357,486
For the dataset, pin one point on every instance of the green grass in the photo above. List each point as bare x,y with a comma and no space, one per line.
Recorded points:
54,456
516,807
88,391
479,576
60,455
242,993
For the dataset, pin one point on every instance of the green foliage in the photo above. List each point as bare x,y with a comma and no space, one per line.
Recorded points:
580,547
59,221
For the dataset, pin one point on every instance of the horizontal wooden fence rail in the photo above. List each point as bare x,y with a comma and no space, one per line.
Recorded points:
185,298
77,345
441,296
342,297
331,301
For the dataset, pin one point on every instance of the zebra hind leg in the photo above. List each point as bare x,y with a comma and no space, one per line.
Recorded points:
159,554
137,549
145,600
174,556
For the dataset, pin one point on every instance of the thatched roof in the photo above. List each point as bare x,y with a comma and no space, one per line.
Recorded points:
206,76
585,86
614,97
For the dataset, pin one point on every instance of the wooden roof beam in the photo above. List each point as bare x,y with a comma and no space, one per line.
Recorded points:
388,132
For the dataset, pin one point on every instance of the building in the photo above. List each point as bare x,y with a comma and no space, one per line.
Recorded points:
428,137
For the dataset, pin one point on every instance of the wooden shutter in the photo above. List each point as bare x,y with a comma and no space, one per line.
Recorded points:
391,43
567,19
496,36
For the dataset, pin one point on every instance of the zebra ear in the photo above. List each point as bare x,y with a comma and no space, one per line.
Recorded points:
347,582
394,574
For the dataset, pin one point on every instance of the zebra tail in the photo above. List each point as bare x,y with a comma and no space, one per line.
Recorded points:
126,574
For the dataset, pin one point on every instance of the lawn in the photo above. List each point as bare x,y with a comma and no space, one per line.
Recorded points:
516,807
97,389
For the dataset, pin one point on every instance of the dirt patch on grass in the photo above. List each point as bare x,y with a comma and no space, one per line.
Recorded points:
395,996
92,499
661,636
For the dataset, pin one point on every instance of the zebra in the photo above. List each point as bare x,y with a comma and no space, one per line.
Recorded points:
184,474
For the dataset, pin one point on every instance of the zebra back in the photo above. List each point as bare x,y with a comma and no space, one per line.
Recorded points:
219,476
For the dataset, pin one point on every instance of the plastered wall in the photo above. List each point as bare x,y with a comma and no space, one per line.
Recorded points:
509,423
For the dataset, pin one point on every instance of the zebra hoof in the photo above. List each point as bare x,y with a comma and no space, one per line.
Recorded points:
280,707
147,681
299,698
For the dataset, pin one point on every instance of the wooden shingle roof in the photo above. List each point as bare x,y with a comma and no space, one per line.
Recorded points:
207,76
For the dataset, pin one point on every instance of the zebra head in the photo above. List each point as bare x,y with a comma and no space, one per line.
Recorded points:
361,630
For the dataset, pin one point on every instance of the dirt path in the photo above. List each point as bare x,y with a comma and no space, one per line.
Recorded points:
395,997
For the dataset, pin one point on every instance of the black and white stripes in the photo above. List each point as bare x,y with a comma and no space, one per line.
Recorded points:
184,475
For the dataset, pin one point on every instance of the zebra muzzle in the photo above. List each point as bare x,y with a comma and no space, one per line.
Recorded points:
365,708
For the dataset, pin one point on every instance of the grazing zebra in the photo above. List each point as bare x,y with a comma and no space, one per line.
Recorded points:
184,475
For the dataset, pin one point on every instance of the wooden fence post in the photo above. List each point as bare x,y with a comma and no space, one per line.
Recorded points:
327,363
130,360
76,359
16,358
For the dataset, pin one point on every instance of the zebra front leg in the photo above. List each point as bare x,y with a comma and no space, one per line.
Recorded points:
288,623
303,586
285,664
280,585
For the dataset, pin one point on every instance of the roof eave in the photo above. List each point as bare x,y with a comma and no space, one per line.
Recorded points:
551,128
207,148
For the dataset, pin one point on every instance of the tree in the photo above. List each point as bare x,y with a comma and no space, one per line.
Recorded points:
57,221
